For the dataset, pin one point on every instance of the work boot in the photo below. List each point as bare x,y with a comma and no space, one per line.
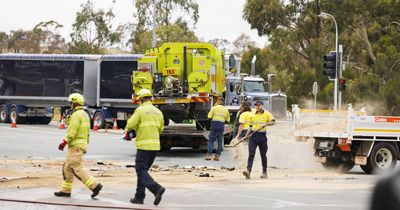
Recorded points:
158,195
62,194
216,157
136,200
264,175
246,174
207,157
96,190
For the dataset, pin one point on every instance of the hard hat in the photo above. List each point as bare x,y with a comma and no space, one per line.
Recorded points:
143,93
76,98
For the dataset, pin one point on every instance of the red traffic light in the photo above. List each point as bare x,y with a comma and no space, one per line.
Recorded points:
342,81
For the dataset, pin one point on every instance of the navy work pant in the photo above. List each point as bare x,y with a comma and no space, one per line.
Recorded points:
216,133
258,139
144,160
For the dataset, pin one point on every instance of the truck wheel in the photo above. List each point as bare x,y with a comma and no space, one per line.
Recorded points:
383,158
3,115
99,118
14,116
330,164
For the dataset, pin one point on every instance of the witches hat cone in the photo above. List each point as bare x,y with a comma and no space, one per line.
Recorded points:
14,123
62,125
95,126
115,126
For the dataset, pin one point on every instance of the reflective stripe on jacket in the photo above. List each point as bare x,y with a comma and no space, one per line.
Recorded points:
219,113
148,122
78,129
259,119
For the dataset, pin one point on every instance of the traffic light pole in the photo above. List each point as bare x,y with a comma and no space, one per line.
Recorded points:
335,92
340,75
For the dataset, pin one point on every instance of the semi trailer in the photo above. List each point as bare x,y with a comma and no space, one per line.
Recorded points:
31,85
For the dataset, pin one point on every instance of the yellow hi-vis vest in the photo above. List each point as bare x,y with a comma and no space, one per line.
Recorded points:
148,122
259,119
245,119
78,129
219,113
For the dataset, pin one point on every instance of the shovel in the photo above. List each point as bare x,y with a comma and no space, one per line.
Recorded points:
237,141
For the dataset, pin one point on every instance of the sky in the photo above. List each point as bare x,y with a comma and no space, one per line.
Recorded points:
218,18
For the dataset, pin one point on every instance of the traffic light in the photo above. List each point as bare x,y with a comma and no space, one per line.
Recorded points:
330,65
342,85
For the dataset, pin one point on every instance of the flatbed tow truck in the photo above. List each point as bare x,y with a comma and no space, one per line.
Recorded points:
347,138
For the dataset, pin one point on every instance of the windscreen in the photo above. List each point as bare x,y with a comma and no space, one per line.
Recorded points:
254,86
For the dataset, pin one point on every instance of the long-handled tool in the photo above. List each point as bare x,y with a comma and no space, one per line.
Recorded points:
237,141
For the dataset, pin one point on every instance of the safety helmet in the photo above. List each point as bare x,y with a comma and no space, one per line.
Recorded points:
143,93
76,98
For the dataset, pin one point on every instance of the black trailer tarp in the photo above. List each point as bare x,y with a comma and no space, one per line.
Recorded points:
40,78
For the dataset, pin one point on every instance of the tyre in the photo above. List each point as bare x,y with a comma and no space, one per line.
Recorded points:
99,118
383,158
4,118
14,116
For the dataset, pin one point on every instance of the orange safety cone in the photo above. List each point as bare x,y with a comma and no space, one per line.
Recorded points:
95,126
14,123
115,126
62,125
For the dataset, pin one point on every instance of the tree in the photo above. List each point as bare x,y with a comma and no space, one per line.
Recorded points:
222,44
170,26
242,43
93,31
3,41
298,39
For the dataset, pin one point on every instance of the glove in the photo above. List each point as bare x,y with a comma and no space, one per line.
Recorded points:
126,137
62,145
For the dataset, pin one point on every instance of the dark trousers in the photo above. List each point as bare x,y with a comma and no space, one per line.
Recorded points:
215,135
258,139
144,160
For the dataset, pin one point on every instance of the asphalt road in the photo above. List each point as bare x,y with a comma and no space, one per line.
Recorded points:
353,191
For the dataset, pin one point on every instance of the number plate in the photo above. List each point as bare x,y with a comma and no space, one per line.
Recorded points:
323,144
170,72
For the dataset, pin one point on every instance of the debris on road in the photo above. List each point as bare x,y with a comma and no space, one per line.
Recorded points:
204,175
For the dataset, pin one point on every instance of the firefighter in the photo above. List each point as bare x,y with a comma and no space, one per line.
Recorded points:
77,139
148,122
259,122
218,115
244,120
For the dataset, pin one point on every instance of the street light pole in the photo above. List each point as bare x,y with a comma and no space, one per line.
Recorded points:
153,41
335,91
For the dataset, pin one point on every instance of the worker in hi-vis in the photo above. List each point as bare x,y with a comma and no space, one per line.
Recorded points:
148,122
218,114
77,140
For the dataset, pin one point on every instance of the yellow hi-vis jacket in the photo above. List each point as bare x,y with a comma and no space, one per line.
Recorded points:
78,129
148,122
219,113
259,119
245,119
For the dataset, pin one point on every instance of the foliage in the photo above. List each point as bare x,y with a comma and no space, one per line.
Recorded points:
93,30
173,22
368,29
